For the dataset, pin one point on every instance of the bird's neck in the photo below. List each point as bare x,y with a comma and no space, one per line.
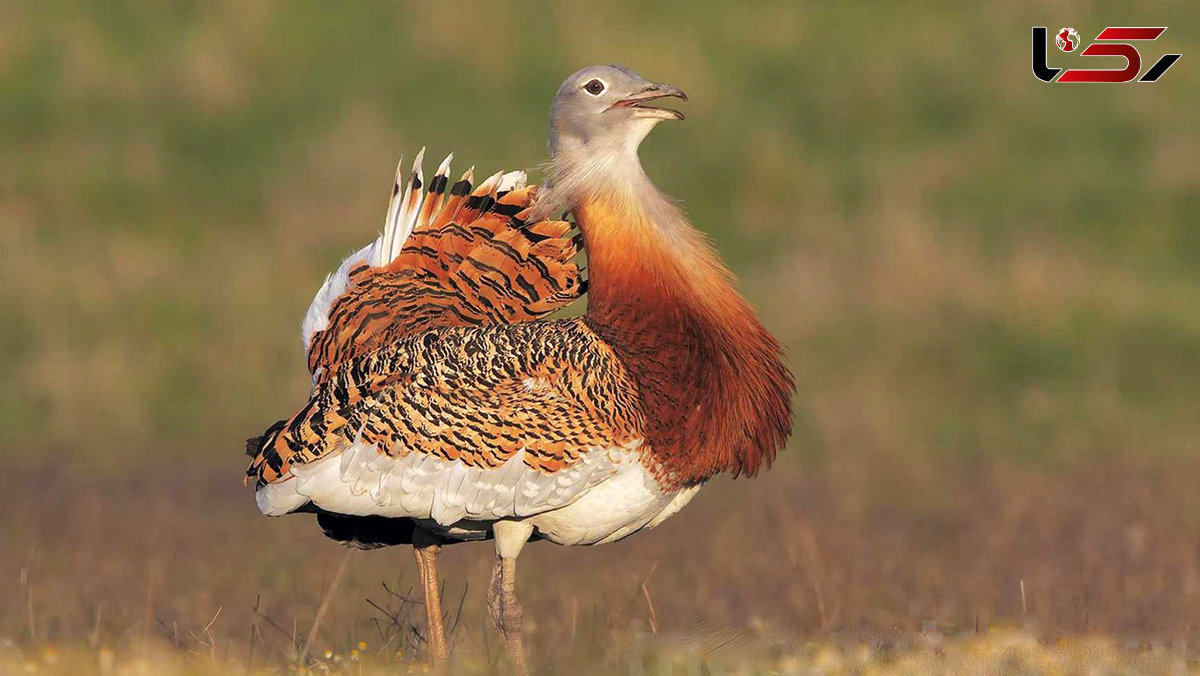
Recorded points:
716,396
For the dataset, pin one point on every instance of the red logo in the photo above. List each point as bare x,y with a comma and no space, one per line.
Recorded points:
1112,41
1067,39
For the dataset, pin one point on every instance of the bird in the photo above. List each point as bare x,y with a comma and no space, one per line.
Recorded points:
452,401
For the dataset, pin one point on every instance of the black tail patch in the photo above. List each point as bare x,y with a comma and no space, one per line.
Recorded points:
365,532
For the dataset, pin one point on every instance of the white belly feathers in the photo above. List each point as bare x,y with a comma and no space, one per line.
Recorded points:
603,497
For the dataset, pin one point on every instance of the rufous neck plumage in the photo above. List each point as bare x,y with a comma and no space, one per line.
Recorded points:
716,395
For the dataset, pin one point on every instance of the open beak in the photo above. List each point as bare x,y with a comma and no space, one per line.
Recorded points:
653,92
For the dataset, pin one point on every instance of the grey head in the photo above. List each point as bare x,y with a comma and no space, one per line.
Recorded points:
605,108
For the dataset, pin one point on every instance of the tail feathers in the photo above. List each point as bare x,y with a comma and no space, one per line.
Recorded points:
458,197
513,180
433,200
471,257
401,213
480,200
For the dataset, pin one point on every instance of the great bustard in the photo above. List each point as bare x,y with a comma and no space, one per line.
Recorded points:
444,408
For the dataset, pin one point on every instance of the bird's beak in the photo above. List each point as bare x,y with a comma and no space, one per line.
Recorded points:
651,92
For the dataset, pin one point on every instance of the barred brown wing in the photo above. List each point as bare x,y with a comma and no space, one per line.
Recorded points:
538,405
471,259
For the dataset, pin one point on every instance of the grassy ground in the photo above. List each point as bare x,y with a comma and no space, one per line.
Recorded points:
836,565
986,286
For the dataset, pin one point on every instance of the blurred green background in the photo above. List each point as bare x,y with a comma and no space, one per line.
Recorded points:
988,289
959,258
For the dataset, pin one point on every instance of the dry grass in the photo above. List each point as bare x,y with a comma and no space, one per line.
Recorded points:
996,652
780,571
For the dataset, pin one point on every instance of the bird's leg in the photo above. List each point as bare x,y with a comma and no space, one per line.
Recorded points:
506,613
426,547
502,597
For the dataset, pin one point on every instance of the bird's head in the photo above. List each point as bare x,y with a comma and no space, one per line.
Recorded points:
607,108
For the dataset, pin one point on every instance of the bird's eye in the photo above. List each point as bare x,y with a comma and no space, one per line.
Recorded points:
595,87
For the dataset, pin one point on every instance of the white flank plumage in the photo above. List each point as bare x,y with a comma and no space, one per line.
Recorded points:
604,497
317,317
